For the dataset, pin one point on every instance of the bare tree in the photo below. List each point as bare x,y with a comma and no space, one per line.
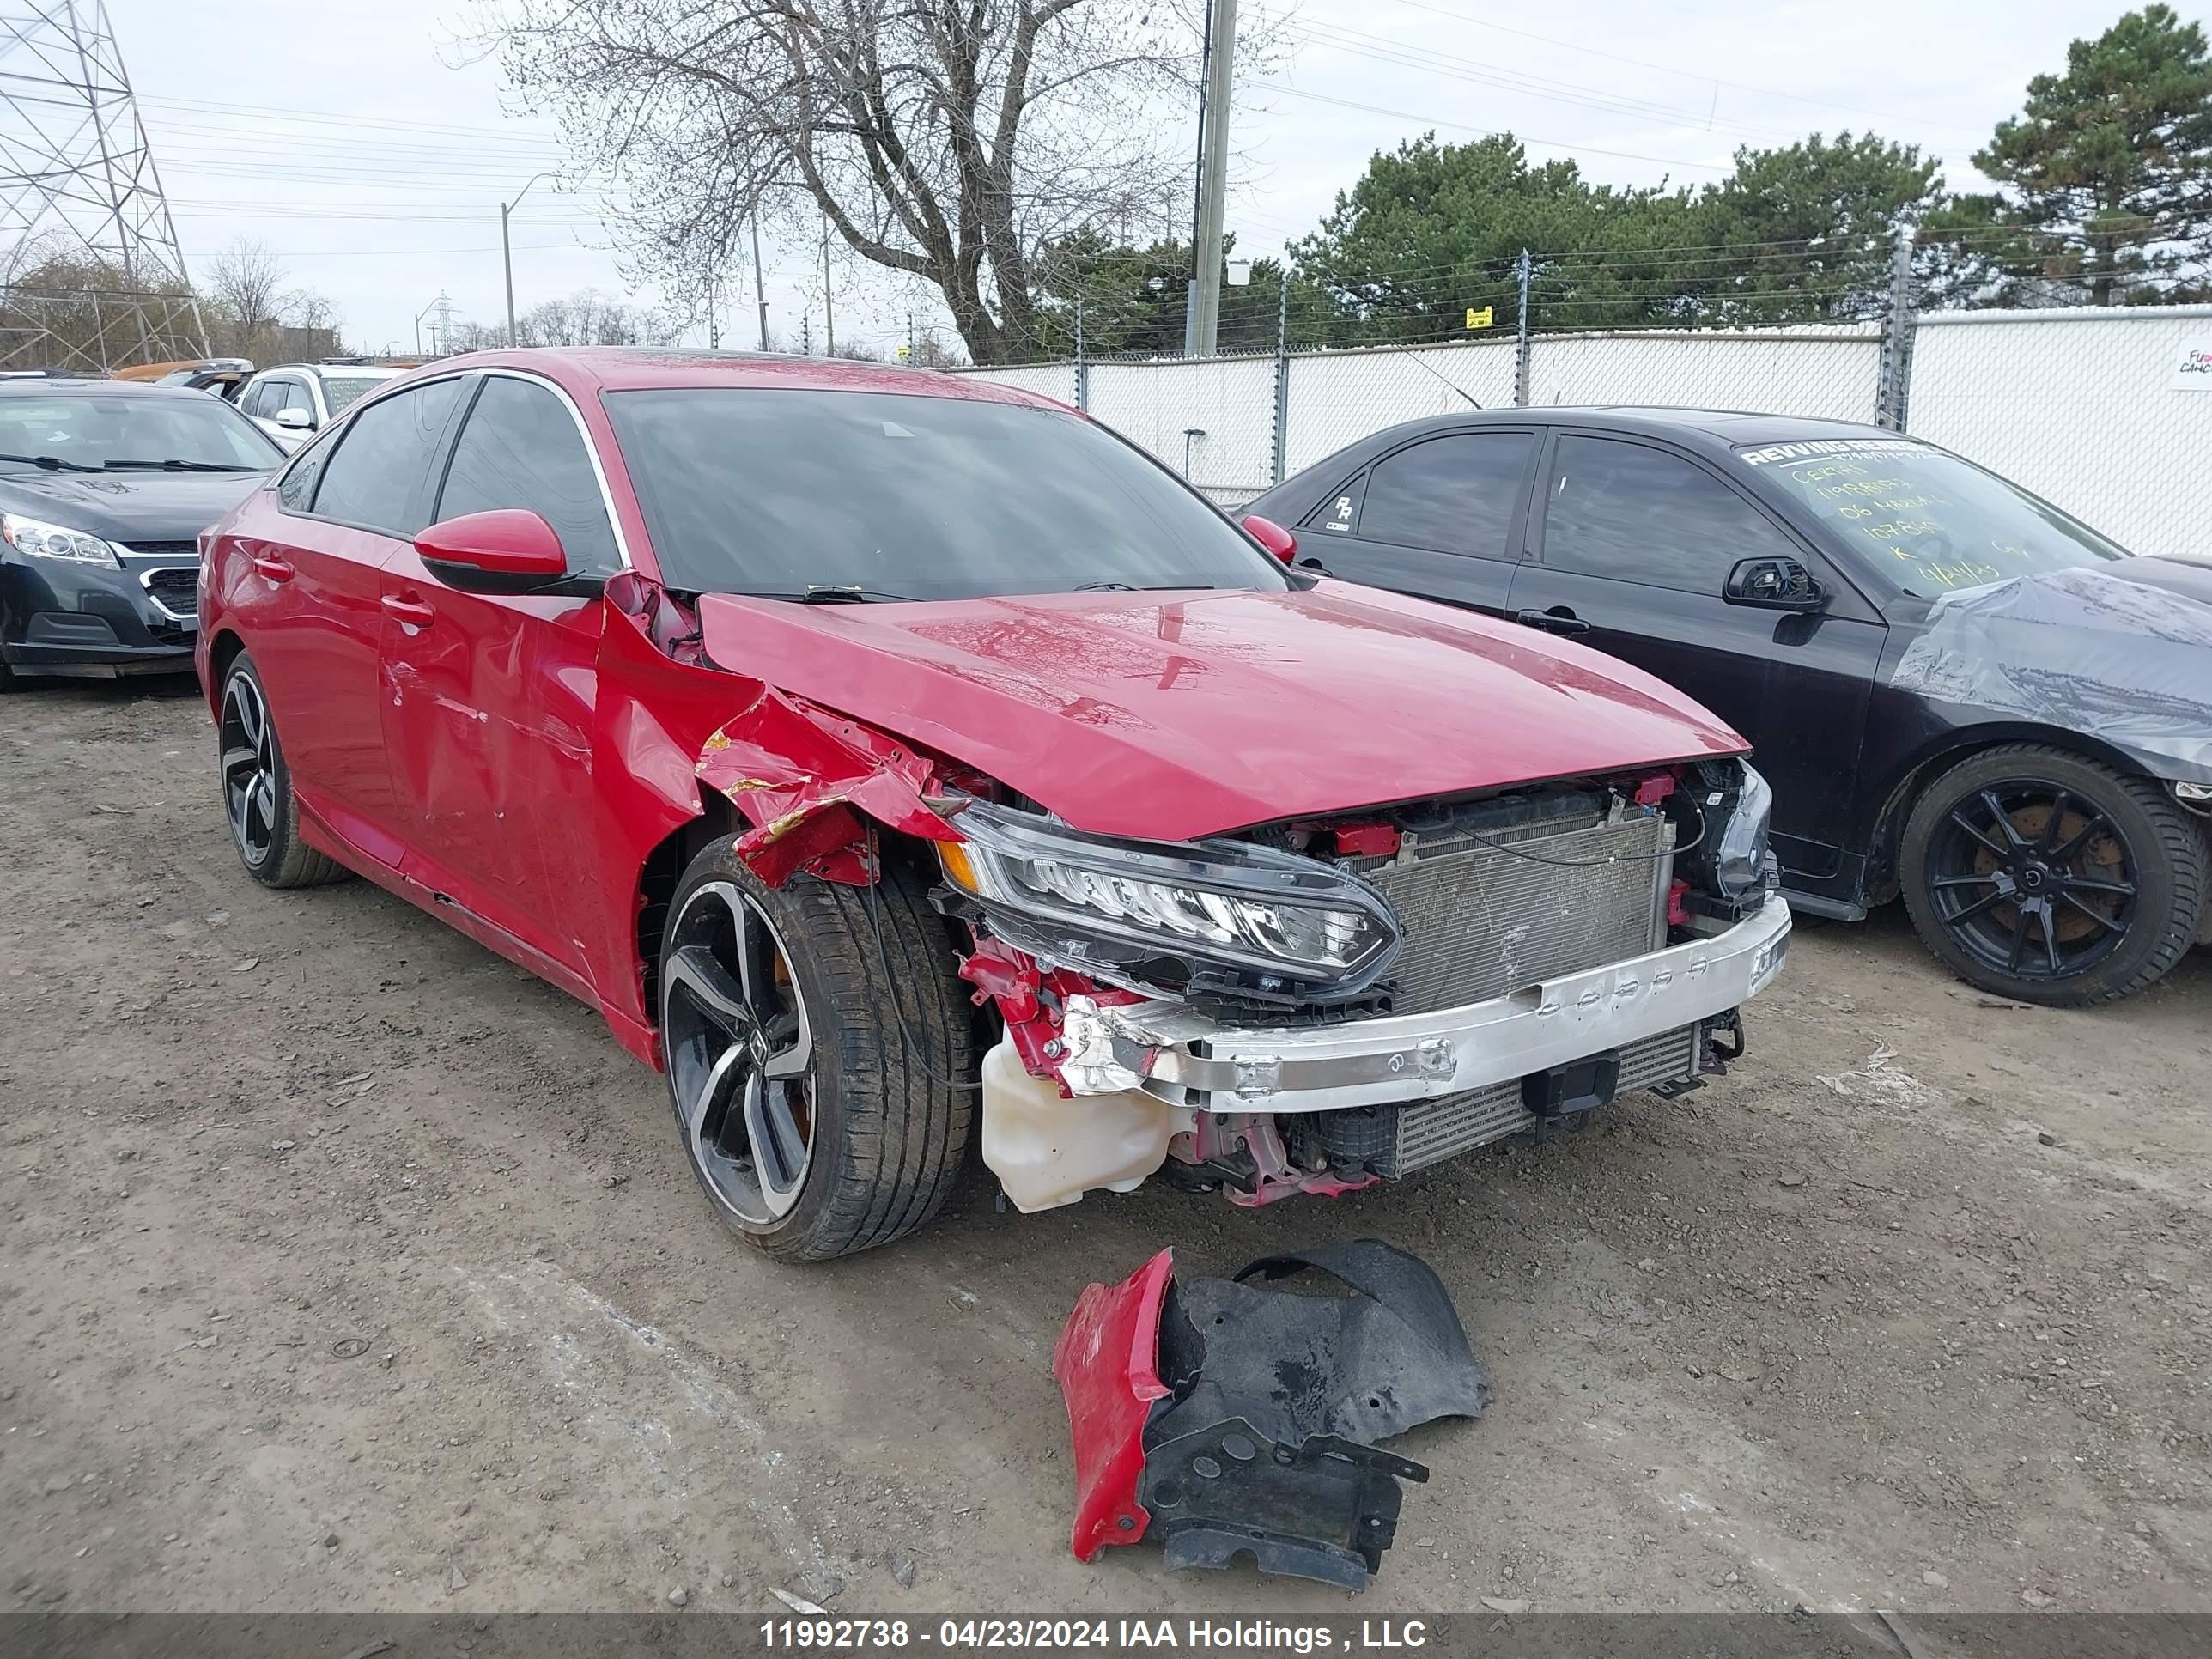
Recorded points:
588,317
247,283
944,138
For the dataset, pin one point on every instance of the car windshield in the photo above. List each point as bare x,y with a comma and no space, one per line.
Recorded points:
343,390
1925,520
899,496
97,430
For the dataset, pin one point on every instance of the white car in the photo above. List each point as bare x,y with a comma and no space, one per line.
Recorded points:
295,401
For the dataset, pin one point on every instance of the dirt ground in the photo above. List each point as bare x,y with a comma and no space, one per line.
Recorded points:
345,1267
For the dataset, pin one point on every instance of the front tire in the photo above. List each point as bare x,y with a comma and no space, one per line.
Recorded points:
257,789
2052,879
790,1019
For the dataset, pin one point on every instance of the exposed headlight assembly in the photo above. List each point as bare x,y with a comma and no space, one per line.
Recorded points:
1740,859
42,540
1280,923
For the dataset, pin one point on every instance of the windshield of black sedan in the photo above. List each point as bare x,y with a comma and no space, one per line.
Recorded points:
785,492
95,430
1925,520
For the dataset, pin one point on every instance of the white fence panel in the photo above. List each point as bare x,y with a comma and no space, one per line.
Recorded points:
2076,405
1831,373
1211,419
1050,379
1338,397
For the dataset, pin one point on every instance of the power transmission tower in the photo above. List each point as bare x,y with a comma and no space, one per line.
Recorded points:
90,273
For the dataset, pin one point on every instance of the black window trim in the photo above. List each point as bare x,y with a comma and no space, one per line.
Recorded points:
441,453
1522,496
1517,522
344,427
450,445
1810,553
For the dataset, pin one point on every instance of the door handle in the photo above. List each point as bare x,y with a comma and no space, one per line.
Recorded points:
269,565
413,612
1559,621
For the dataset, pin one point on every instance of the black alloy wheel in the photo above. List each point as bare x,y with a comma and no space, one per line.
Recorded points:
819,1053
257,789
740,1049
2052,879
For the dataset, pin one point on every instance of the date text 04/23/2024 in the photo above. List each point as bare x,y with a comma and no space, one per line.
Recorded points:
1110,1634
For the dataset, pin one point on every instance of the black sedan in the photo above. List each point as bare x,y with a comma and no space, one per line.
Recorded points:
1958,692
104,487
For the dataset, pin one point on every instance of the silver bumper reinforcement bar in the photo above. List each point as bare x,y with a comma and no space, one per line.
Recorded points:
1185,1059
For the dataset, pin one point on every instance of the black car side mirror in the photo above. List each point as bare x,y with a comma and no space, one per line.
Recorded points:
1774,585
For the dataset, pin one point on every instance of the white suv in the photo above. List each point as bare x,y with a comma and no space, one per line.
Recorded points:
293,402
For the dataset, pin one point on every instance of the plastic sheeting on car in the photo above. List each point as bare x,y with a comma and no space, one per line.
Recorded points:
2122,651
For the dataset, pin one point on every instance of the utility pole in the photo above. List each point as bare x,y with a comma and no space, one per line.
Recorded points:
1282,370
1891,394
420,315
1213,177
828,300
1521,349
1082,369
760,288
506,251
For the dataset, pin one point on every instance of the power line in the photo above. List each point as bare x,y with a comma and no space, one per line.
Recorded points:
1490,26
1461,127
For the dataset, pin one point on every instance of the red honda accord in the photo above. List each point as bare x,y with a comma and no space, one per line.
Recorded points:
879,750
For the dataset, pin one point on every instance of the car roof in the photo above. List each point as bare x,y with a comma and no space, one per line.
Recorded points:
1718,429
77,386
372,371
638,368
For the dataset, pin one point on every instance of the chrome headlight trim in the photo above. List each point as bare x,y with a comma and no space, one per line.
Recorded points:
39,539
1290,924
1739,857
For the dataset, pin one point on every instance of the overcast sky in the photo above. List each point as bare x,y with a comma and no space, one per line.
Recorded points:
353,138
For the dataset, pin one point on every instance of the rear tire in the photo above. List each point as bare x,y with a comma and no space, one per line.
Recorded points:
2049,877
791,1018
257,789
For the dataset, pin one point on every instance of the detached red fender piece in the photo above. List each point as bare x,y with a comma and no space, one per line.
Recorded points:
1107,1366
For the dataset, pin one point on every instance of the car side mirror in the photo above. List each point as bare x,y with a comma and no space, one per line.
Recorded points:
1774,585
296,419
1273,536
510,550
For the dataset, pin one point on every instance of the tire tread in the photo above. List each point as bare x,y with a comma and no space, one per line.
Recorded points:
2179,843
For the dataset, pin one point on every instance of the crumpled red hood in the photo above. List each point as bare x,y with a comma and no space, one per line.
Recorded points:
1178,715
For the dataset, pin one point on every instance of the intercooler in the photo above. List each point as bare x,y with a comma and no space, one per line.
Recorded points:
1487,914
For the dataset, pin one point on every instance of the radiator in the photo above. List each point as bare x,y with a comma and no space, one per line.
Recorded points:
1396,1140
1480,921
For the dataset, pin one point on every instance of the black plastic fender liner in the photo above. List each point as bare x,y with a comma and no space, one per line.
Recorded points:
1364,1367
1265,1404
1326,1509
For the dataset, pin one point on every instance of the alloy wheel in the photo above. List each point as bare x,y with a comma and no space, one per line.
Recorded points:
2032,878
249,768
740,1053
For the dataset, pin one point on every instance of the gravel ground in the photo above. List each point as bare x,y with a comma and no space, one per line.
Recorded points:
348,1268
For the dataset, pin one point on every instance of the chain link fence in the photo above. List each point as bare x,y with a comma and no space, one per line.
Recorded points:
2084,405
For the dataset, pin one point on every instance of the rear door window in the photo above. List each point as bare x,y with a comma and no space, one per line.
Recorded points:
377,478
1455,494
1641,514
521,447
